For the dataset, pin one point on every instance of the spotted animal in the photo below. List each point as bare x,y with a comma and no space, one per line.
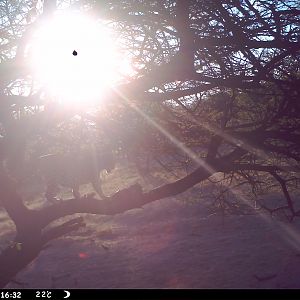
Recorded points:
73,170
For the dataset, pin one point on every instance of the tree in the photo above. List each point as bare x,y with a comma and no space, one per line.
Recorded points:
215,81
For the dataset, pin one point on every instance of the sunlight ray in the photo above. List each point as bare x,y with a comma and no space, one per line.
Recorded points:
169,136
290,235
230,139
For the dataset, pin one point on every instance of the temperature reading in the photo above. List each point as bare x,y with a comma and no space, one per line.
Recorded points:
43,294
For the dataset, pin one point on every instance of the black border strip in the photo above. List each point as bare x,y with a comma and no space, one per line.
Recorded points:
153,294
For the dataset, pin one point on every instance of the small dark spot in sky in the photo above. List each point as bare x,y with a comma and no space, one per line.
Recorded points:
74,53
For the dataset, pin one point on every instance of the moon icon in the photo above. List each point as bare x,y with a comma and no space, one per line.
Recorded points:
68,294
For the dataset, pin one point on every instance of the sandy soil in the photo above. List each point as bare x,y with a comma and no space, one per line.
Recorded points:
169,244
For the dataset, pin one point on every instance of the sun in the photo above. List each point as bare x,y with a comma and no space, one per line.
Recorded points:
73,57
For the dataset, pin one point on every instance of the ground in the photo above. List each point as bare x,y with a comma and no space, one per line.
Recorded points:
168,244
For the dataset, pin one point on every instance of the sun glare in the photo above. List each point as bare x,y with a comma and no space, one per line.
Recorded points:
73,57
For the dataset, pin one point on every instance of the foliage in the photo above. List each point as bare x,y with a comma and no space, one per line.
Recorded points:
214,85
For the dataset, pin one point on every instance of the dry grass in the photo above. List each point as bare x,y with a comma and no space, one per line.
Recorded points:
169,243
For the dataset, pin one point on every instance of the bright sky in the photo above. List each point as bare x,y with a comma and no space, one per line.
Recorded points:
74,78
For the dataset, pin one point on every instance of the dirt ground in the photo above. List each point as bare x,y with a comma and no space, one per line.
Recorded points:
169,244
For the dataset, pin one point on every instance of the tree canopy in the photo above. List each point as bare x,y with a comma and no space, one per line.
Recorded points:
213,85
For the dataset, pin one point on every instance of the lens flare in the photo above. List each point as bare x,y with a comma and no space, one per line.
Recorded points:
73,57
